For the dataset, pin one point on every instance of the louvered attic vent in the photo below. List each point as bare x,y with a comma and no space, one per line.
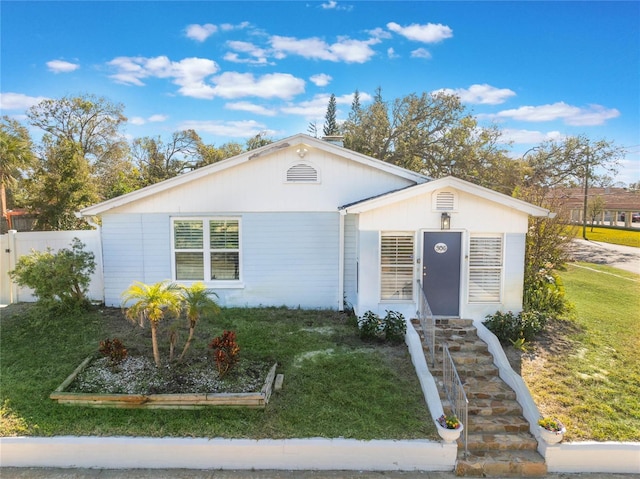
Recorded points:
445,201
302,173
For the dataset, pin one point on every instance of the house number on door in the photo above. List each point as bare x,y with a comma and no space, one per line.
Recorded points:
440,248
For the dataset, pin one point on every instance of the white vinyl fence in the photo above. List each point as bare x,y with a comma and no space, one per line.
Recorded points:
15,244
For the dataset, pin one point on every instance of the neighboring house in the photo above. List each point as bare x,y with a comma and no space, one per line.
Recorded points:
306,223
620,206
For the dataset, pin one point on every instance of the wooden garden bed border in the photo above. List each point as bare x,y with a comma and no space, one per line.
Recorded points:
163,401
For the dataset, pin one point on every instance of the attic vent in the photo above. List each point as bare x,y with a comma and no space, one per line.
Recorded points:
445,201
302,173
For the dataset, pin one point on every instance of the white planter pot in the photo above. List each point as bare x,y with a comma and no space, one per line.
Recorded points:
449,435
552,437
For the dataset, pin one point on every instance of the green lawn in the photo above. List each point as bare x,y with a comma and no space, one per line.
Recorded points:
335,384
619,236
586,370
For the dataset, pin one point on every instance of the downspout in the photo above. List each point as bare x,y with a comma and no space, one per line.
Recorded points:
343,214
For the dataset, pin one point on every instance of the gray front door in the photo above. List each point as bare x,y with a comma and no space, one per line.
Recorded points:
441,271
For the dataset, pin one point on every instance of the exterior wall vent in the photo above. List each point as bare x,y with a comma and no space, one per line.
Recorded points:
445,201
302,173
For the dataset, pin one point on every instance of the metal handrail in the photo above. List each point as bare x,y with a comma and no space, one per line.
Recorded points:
427,324
455,393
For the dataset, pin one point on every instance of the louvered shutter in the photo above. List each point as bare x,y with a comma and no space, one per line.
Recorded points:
485,269
396,265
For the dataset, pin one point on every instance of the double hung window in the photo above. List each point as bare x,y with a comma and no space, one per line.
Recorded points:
206,249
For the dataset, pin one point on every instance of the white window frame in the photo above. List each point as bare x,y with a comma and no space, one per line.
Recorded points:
485,264
409,266
207,250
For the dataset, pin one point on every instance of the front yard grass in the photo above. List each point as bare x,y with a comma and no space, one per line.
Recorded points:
586,370
335,384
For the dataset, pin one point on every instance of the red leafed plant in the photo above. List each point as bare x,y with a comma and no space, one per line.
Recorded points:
225,352
114,350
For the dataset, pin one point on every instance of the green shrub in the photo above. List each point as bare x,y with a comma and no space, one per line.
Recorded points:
509,327
395,327
391,328
60,278
544,292
370,326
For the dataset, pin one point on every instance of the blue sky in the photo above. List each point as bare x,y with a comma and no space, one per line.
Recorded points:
232,69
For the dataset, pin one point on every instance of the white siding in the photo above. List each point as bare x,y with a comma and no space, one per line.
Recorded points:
288,259
135,248
259,185
351,258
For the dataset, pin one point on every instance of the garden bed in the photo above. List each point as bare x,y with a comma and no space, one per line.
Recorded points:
65,394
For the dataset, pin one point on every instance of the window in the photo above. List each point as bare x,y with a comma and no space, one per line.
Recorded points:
396,267
485,269
206,249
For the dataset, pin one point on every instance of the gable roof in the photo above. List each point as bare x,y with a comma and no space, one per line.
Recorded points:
291,142
446,182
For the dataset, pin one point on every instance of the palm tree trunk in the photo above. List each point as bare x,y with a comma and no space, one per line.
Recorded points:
154,342
187,344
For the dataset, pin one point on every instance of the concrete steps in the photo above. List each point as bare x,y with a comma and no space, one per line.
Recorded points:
499,443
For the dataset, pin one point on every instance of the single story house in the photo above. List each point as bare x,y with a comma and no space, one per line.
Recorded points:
304,222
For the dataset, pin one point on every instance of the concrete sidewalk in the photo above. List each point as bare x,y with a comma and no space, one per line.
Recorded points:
35,473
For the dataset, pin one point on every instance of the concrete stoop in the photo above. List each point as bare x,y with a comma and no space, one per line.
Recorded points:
499,441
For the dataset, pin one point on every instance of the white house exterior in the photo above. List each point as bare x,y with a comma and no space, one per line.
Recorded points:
307,223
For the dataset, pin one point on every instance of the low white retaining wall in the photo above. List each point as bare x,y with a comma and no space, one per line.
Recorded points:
242,454
613,457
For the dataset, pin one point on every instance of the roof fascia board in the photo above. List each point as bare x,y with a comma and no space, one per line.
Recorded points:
449,181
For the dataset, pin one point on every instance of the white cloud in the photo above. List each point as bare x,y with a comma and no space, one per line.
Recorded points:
19,101
60,66
316,108
421,53
138,120
200,33
251,108
273,85
256,54
321,79
333,5
391,53
235,129
509,135
188,73
344,50
481,94
429,33
571,115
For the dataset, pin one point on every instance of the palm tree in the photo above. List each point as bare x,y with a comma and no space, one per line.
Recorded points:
15,155
197,302
152,303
